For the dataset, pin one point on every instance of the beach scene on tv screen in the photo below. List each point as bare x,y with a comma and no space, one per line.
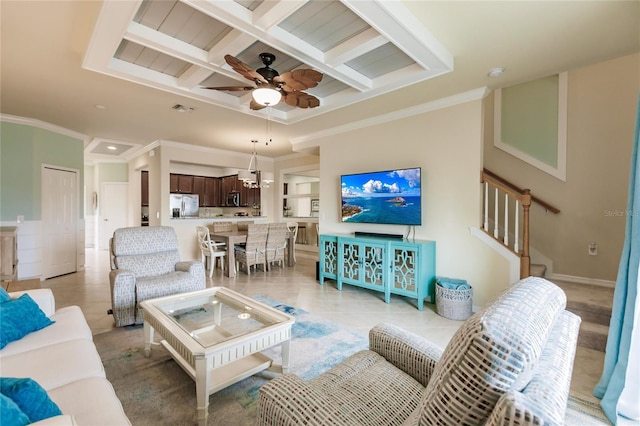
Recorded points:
390,197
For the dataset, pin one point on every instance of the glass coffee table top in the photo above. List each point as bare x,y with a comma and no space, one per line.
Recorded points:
214,318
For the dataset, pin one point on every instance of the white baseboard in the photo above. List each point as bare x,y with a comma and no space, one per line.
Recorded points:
583,280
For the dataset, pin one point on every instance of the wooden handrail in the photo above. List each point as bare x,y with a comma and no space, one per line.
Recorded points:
523,197
510,188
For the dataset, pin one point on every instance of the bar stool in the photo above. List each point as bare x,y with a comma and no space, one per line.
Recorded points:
293,227
302,231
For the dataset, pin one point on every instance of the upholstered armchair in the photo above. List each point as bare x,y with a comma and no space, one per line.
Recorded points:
508,364
146,264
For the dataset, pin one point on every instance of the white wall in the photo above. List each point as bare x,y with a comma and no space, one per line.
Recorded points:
447,145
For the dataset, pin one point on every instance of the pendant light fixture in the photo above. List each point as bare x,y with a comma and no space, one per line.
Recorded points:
253,177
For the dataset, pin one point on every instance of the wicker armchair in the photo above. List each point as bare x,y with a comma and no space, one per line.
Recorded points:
253,252
146,265
508,364
276,243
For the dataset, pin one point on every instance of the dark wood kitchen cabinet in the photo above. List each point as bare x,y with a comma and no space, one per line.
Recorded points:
249,197
199,189
181,183
211,192
144,185
228,184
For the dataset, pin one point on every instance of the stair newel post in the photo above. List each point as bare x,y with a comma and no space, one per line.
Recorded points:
525,260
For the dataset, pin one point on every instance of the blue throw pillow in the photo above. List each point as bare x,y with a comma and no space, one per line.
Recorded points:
4,296
30,397
10,413
20,317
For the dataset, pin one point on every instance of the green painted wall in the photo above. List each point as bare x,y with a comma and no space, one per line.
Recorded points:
530,118
23,151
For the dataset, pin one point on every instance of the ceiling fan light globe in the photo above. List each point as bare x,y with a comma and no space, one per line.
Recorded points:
266,96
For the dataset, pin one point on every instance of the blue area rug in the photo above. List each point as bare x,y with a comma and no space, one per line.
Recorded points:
155,390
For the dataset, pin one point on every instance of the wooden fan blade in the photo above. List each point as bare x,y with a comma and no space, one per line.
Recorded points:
244,70
232,88
301,100
297,80
256,106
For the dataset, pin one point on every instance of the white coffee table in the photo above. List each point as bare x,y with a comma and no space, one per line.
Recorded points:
216,335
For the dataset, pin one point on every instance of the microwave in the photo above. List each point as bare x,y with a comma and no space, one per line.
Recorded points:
233,199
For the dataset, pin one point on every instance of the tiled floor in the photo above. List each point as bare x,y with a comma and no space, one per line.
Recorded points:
353,307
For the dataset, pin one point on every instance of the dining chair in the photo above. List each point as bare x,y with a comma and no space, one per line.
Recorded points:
210,251
222,226
243,225
253,252
293,227
276,243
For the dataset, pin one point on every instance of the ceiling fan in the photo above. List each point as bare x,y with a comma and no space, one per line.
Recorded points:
271,87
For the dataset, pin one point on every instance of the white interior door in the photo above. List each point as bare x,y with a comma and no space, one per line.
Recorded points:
113,210
59,221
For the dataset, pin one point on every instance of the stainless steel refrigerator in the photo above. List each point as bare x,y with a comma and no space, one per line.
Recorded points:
184,205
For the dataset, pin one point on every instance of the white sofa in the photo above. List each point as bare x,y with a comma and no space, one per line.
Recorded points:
63,359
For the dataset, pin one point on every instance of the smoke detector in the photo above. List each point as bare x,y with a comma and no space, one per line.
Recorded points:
496,72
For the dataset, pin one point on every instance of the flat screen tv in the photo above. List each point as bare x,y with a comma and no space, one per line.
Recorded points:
386,197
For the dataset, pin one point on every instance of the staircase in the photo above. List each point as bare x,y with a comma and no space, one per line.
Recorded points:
593,304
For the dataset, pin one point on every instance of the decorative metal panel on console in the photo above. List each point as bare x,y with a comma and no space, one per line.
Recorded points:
404,269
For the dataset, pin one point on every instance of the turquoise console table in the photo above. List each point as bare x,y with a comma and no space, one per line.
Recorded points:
391,266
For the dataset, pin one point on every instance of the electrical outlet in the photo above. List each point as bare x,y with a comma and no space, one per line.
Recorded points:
20,219
593,249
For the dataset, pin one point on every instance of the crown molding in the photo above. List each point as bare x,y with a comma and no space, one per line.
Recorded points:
44,126
307,141
209,150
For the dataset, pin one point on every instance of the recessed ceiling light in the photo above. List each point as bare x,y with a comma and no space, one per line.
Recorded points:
496,72
112,148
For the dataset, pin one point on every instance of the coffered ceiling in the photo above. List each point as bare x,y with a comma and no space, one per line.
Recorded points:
363,48
127,73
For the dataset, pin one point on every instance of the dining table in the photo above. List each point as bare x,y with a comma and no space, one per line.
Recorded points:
231,238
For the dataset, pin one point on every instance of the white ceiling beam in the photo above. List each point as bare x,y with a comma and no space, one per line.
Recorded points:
270,13
227,12
236,16
233,43
112,24
193,76
354,47
157,80
168,45
394,21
